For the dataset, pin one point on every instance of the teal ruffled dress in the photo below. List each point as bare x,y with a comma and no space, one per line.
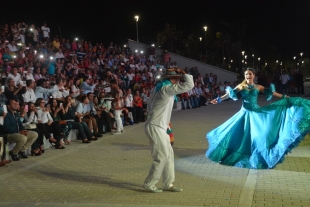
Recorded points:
259,137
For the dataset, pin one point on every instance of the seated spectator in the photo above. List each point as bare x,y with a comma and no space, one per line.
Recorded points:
12,92
81,110
17,133
15,76
37,148
28,75
70,115
75,88
86,87
56,110
59,54
43,114
41,90
29,96
185,98
58,94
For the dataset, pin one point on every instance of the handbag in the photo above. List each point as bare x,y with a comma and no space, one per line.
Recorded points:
62,122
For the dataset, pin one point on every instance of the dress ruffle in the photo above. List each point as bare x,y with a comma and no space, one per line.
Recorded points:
232,93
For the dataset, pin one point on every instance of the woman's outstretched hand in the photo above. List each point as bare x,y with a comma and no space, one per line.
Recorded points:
214,101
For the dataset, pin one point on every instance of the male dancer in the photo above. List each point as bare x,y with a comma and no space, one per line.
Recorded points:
159,107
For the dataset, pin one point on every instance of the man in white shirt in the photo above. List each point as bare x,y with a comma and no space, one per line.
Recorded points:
29,96
15,76
130,75
160,108
41,90
45,30
58,94
12,47
284,78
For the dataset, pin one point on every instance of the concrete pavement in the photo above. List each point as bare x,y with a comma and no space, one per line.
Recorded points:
110,172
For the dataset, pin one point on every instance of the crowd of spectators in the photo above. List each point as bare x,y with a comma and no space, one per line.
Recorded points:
51,85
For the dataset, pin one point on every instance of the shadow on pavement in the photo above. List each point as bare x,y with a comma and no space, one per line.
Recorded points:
92,179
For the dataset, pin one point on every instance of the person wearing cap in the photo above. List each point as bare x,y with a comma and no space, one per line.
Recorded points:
159,113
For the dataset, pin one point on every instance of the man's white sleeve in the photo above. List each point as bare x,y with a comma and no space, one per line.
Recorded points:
180,88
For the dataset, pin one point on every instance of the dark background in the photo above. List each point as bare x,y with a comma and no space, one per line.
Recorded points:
284,24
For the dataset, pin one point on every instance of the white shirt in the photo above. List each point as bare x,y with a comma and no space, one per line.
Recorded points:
40,91
130,76
29,96
46,31
129,100
44,116
57,94
59,55
161,102
29,77
16,78
284,78
12,48
35,35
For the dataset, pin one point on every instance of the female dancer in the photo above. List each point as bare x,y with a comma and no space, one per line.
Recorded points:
258,137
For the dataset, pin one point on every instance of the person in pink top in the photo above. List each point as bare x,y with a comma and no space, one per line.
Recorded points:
167,59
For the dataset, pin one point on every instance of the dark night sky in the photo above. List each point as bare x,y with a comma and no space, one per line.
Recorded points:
284,24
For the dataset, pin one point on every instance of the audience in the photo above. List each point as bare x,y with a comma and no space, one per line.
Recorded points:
79,85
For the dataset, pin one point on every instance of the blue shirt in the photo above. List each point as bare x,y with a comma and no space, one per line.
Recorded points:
51,68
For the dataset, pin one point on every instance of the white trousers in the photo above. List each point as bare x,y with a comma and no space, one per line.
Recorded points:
163,157
118,119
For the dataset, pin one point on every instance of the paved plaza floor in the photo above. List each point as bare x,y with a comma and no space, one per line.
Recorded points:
110,172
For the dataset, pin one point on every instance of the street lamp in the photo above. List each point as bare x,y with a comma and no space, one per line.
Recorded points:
205,28
258,63
200,38
242,53
277,61
253,59
245,56
301,55
137,19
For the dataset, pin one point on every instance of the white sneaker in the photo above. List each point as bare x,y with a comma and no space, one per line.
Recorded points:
122,131
152,189
116,132
173,189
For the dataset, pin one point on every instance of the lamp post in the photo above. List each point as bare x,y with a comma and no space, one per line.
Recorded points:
253,59
231,62
137,19
242,64
205,29
295,61
258,63
200,38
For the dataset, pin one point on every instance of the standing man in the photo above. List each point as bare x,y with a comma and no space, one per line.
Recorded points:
45,31
118,106
160,107
284,78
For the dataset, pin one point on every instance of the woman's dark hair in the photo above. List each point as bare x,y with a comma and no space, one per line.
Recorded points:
40,82
28,113
38,101
50,102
